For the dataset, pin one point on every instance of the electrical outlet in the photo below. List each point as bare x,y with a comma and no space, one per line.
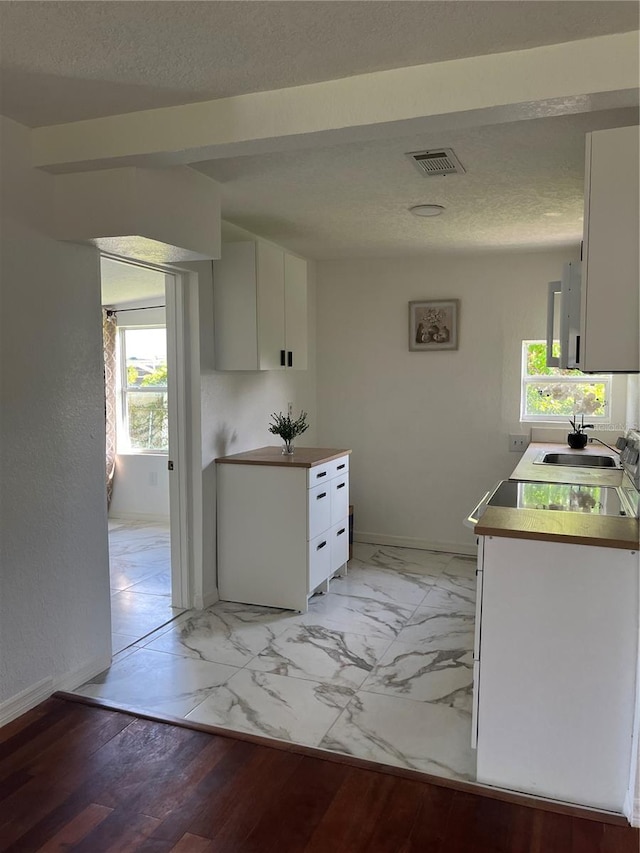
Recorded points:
518,442
290,409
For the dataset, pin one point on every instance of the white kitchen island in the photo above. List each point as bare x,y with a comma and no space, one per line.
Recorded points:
283,524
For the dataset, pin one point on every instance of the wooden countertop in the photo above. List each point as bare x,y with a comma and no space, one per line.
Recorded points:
574,528
528,470
556,525
302,457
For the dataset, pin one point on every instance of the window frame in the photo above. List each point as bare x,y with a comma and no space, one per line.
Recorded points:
577,378
123,436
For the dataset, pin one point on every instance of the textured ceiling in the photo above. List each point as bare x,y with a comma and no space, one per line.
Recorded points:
61,62
523,188
124,284
66,61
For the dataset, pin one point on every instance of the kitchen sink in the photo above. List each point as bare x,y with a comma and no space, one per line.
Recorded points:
590,460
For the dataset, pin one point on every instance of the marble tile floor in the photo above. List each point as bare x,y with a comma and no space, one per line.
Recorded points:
380,667
140,577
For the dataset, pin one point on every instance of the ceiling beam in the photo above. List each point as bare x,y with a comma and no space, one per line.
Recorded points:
578,76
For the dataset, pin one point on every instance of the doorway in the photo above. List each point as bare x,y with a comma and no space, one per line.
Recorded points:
141,369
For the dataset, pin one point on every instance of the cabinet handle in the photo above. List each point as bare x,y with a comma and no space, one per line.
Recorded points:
340,467
323,495
341,486
340,532
323,474
577,349
290,358
321,545
281,358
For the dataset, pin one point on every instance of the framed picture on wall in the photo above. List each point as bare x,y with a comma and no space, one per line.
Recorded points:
433,324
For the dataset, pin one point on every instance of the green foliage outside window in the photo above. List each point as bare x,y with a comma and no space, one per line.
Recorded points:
550,396
148,418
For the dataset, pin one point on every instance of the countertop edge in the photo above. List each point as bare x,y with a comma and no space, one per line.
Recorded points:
513,523
252,457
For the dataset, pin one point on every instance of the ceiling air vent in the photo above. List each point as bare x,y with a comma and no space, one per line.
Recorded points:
436,161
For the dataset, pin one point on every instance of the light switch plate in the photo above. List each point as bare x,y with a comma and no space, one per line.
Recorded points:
518,442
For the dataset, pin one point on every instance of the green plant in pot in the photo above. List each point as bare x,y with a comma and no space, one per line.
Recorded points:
288,429
578,438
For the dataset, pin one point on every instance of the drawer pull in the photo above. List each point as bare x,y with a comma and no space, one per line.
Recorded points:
321,545
341,486
340,467
290,358
322,495
282,358
323,474
340,532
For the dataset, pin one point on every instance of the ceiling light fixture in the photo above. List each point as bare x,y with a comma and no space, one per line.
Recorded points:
427,209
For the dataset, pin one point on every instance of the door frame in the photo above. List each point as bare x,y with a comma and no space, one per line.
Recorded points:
185,451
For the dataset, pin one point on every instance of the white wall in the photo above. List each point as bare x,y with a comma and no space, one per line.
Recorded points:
54,579
140,487
236,407
428,430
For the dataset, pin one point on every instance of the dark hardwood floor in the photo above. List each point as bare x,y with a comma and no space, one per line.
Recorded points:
89,779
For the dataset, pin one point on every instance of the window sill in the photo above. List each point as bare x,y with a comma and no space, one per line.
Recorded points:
162,453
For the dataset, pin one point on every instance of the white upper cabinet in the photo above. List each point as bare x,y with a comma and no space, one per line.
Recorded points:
610,272
260,308
295,311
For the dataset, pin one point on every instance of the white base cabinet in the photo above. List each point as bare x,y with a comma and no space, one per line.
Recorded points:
555,669
283,531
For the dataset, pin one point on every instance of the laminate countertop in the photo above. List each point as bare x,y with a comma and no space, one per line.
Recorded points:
528,469
575,528
302,457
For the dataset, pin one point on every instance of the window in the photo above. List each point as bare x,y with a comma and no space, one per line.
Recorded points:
144,423
553,394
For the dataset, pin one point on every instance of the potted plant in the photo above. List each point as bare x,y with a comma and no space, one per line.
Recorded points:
288,429
578,438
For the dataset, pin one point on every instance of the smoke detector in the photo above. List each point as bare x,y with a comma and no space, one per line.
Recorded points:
436,161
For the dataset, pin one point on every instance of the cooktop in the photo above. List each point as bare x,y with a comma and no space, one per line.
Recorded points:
597,500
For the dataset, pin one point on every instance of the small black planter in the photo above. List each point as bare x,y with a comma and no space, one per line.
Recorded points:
577,440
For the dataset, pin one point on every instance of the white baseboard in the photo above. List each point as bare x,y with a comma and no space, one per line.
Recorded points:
27,699
70,680
418,544
631,809
201,602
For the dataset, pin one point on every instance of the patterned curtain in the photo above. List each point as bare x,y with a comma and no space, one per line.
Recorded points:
109,329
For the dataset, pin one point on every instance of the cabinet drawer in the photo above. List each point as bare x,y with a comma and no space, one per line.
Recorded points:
319,474
339,467
319,514
339,498
339,535
319,560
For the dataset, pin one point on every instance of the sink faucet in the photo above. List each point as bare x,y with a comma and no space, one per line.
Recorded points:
592,439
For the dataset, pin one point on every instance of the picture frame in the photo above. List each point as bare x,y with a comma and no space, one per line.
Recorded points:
433,324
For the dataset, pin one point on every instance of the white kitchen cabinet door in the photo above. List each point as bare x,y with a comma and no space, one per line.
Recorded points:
270,306
295,312
339,498
610,271
319,509
235,308
339,536
557,670
260,308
